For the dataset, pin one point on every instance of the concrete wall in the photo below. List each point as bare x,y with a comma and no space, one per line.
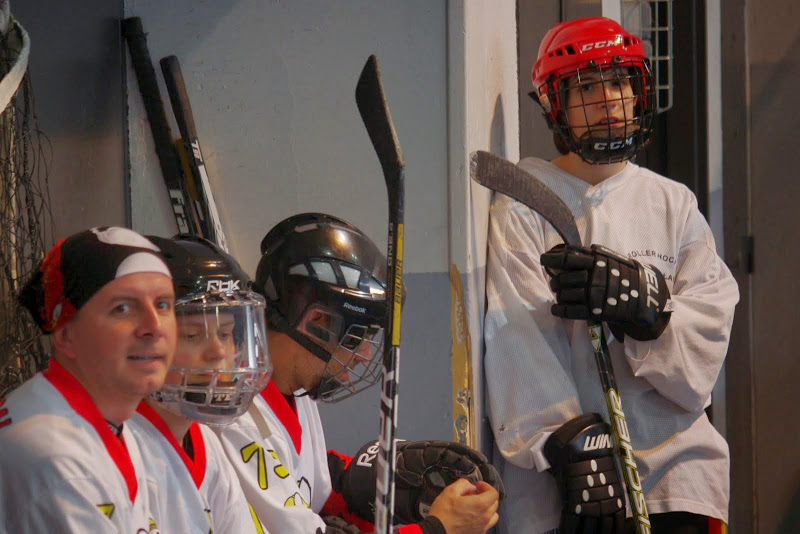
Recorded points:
272,87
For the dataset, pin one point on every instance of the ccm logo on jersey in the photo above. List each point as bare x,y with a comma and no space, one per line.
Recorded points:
592,443
222,285
601,44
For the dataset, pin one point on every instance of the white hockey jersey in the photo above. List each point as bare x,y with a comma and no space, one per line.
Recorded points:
199,494
63,469
283,466
540,369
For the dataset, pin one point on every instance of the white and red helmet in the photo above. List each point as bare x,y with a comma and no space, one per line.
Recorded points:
594,45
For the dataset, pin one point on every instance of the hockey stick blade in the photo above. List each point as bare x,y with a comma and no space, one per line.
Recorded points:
374,110
371,102
499,174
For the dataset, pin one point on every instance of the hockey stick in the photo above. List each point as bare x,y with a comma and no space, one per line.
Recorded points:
374,111
206,207
182,208
504,177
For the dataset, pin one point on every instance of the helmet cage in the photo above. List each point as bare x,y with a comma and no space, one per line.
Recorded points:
232,321
354,353
343,326
602,143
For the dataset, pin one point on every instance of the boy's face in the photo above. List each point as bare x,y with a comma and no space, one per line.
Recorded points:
205,341
123,339
600,103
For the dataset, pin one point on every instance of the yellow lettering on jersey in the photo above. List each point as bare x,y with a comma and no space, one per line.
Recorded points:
281,471
256,520
107,509
254,449
296,500
152,525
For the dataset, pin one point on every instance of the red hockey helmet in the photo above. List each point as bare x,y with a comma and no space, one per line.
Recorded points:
594,45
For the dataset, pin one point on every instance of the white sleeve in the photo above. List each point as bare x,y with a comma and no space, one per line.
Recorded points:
684,362
528,358
269,486
67,506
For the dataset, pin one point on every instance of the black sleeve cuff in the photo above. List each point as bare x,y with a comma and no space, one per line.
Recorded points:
431,525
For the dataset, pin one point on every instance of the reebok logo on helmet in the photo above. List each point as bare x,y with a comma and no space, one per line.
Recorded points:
354,308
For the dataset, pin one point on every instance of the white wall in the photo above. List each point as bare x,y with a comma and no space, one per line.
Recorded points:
483,116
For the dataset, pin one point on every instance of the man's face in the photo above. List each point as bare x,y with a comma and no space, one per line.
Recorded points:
600,102
122,340
205,341
343,360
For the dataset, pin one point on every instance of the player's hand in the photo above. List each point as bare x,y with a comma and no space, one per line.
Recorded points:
599,284
424,469
464,508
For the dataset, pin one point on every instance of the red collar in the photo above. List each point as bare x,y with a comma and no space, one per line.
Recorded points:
196,467
286,413
80,401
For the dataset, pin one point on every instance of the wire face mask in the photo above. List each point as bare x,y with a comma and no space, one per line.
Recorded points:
602,118
355,351
592,80
221,361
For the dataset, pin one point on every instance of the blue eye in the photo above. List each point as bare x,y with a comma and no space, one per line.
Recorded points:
121,309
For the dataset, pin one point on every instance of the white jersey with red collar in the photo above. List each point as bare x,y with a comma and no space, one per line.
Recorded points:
63,469
284,473
198,494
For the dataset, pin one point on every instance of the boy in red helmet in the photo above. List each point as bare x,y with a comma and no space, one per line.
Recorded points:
651,275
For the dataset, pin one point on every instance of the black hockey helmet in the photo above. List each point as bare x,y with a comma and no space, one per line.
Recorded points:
325,285
217,311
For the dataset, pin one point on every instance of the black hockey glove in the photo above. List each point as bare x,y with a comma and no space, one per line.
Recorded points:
597,283
424,469
337,525
581,456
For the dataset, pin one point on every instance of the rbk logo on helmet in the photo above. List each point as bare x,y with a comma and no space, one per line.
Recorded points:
223,285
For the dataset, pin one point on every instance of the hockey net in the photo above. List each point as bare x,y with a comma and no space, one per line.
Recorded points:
25,220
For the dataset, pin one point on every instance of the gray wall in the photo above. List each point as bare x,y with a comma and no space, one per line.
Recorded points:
760,74
76,70
272,88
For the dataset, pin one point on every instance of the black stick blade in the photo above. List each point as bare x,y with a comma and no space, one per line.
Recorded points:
374,109
501,175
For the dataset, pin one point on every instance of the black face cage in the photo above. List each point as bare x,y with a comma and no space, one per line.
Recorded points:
354,366
602,143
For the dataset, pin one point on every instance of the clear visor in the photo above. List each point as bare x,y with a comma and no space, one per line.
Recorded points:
356,352
221,359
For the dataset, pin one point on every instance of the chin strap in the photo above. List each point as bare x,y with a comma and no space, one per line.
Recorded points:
279,323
